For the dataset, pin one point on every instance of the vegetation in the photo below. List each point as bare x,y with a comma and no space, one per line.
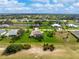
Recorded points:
13,48
26,46
45,47
48,47
50,35
51,47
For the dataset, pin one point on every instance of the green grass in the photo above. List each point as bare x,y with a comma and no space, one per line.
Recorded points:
25,39
55,39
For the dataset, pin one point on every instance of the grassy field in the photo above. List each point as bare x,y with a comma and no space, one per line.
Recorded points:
57,38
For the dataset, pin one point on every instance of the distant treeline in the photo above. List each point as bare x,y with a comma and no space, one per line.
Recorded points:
41,16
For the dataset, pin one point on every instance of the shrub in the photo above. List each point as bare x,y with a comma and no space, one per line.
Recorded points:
27,31
13,48
45,47
50,34
39,37
48,47
26,46
51,47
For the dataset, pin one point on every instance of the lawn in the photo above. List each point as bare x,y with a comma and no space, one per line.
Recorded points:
56,38
25,39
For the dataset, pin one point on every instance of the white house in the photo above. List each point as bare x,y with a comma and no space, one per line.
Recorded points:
13,32
5,25
72,25
56,25
2,32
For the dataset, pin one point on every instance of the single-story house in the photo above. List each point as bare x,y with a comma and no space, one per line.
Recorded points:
13,32
77,21
72,25
56,25
4,25
23,20
36,32
2,32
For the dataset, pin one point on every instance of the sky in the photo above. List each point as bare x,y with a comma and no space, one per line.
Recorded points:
40,6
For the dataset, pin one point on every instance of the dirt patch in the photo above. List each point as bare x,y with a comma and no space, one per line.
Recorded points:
39,52
36,52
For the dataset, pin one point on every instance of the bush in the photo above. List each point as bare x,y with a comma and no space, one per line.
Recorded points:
50,34
26,46
51,47
39,37
27,31
45,47
13,48
48,47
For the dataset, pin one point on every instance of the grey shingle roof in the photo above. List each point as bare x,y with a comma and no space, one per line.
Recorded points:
12,32
1,31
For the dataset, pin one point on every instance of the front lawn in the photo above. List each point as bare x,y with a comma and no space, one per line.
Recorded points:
25,39
57,37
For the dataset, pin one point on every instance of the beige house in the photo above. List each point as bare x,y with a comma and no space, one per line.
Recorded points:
36,32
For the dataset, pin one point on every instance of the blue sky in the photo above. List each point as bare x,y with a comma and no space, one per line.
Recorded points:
40,6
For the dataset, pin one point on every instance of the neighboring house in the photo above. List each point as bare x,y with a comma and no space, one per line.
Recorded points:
24,20
4,25
36,32
13,32
77,21
3,20
72,25
56,25
2,32
36,25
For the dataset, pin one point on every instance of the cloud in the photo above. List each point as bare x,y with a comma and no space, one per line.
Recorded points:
12,6
43,1
65,1
10,3
76,4
39,6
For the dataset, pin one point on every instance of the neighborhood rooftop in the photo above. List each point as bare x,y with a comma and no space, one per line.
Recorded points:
12,32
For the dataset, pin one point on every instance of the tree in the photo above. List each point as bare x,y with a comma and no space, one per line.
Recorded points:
13,48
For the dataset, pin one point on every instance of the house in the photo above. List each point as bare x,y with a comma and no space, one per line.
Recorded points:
77,21
72,25
56,25
2,32
36,32
3,20
23,20
4,25
13,32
